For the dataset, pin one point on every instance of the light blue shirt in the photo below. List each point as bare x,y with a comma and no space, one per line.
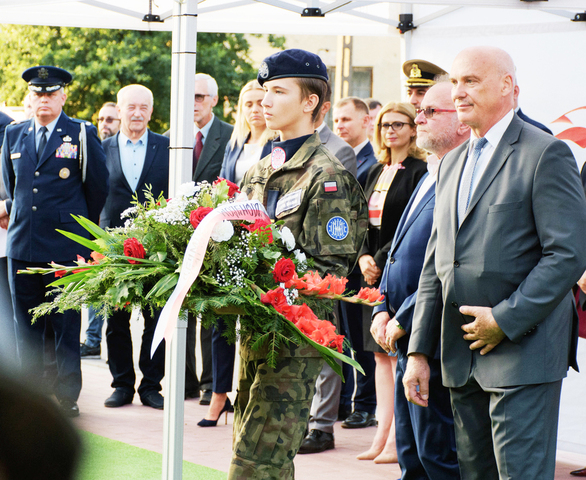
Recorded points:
204,131
50,129
132,157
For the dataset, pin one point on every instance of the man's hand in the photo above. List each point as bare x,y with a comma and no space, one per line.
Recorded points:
393,334
484,332
582,282
378,328
416,379
369,269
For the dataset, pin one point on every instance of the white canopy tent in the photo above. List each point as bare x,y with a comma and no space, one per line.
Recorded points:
545,44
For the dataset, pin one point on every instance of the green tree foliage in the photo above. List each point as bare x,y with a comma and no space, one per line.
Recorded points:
103,61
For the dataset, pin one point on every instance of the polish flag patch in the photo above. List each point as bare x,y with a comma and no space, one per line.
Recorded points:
331,186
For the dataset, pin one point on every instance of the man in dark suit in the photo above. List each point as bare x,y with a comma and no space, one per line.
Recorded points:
211,137
506,248
136,157
47,179
351,121
426,445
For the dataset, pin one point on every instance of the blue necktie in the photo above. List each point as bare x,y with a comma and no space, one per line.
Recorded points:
468,178
42,143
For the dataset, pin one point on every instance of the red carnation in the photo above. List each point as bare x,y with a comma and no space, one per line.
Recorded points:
232,187
197,215
133,248
263,227
284,270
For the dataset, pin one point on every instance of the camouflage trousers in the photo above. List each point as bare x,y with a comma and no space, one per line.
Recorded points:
271,414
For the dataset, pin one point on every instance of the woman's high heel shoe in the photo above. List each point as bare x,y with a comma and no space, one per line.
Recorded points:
212,423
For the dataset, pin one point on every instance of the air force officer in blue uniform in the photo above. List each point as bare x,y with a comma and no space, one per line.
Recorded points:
53,166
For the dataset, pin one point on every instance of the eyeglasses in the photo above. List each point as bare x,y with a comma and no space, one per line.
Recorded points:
200,97
108,120
395,126
429,112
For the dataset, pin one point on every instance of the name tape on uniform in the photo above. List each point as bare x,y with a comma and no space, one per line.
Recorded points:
289,202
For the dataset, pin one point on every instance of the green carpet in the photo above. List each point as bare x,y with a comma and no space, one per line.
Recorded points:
105,459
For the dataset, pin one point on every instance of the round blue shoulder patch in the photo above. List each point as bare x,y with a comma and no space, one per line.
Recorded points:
337,228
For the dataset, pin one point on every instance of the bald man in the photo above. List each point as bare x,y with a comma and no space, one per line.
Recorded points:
506,248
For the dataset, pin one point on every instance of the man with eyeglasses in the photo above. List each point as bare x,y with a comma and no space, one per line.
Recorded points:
108,121
421,75
211,137
426,446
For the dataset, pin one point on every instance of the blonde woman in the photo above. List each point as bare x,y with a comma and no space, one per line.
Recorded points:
242,152
388,188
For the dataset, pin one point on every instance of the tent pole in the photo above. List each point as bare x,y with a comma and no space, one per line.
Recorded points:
184,41
405,45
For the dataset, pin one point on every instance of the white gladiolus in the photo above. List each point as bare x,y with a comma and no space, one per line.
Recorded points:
223,231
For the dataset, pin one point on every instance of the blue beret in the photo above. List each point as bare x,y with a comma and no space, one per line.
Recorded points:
46,79
292,63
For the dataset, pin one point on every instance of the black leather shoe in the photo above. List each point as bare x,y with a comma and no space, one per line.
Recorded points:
154,400
206,397
69,408
316,442
192,394
579,473
118,398
359,419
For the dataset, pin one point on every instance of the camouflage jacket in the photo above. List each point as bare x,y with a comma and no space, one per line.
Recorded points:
319,200
323,205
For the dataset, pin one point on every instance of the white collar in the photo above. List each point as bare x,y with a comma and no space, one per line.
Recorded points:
494,135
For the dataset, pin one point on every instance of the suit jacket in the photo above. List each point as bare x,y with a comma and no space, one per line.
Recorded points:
210,161
400,277
231,156
43,195
520,249
398,196
155,173
341,150
364,160
527,119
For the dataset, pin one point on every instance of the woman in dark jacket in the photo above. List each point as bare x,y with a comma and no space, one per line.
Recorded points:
244,150
389,186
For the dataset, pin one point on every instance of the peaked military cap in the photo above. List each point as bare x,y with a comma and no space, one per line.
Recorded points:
421,73
46,79
292,63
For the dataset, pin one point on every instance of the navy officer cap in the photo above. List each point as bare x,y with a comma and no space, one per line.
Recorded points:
46,79
292,63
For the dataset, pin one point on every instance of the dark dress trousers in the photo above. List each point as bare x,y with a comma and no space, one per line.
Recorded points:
364,395
208,168
519,250
155,172
426,444
42,195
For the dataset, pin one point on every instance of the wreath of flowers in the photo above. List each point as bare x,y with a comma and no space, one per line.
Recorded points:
252,275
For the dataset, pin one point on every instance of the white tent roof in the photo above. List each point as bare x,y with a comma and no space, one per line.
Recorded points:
347,17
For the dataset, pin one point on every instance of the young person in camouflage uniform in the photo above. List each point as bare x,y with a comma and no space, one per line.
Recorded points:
302,183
